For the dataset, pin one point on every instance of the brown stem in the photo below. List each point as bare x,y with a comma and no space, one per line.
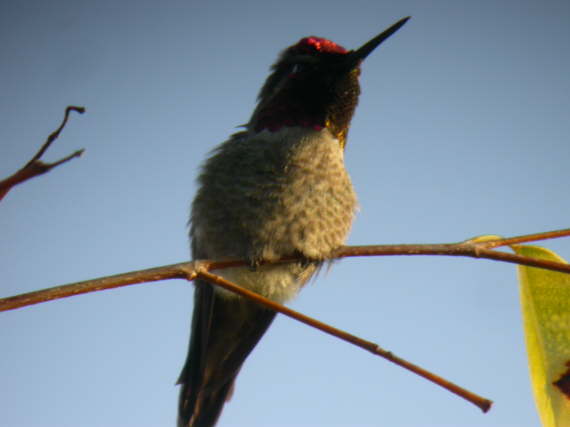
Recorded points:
35,166
165,272
526,238
465,249
200,268
176,271
481,402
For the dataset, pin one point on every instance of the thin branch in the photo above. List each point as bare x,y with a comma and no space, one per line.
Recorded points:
481,402
190,271
464,249
165,272
509,241
471,249
35,166
55,134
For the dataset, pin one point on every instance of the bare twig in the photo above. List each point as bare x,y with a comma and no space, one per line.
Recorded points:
173,271
471,249
35,166
481,402
191,270
526,238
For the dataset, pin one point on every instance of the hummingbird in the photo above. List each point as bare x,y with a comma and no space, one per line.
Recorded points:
278,188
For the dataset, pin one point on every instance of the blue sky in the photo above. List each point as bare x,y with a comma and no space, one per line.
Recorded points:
462,129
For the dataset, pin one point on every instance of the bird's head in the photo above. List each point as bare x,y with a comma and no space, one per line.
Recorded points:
314,84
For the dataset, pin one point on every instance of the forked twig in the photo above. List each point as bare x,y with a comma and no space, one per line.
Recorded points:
470,248
475,248
35,166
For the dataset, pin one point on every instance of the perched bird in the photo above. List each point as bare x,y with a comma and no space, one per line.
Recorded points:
278,188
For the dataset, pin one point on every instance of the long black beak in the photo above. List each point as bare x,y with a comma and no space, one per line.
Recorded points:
356,56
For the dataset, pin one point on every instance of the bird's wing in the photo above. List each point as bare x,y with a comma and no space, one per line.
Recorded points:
225,329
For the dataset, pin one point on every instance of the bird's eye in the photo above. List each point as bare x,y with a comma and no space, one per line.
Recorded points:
296,68
299,69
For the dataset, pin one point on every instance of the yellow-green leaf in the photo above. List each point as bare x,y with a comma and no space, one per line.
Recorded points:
484,238
545,302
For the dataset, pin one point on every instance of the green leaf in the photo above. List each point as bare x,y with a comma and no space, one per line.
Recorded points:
545,303
484,238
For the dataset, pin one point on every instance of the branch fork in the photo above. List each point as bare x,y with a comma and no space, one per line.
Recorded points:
480,247
35,166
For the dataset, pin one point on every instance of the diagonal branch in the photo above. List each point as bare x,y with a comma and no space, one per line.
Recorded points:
35,166
475,248
481,402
